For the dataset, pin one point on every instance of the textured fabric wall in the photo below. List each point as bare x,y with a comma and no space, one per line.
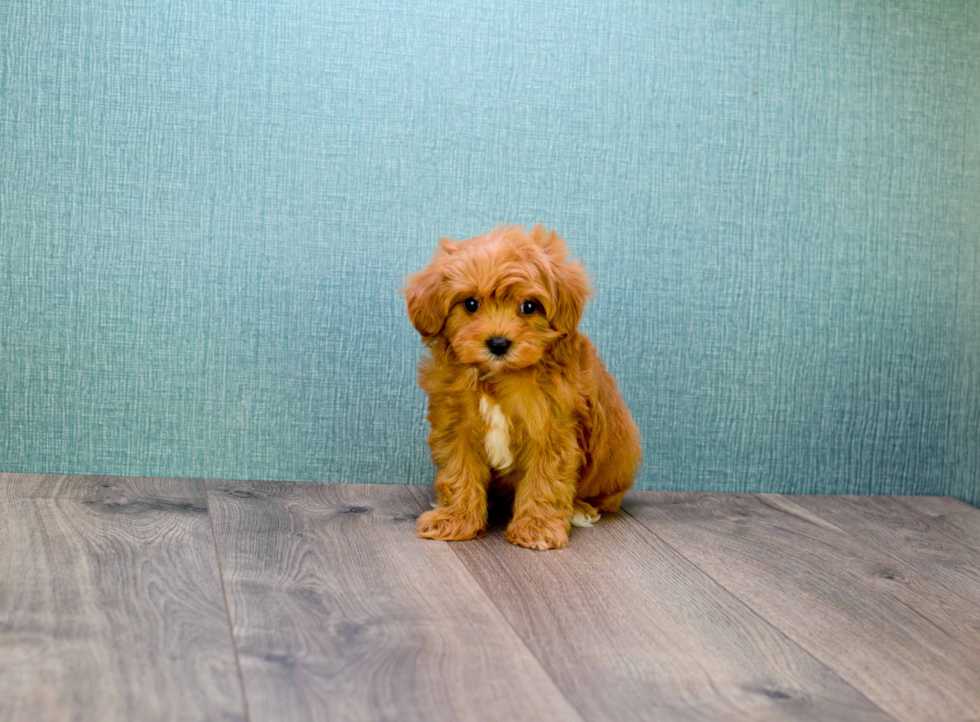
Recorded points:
206,210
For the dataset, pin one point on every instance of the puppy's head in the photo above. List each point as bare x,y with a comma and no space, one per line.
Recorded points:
503,300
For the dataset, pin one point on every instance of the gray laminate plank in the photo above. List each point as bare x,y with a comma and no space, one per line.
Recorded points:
953,517
896,527
888,630
631,631
341,612
110,602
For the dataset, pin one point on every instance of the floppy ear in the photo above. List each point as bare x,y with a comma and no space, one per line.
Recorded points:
571,292
426,297
571,282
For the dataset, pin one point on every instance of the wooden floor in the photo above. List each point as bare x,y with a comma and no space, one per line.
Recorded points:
139,599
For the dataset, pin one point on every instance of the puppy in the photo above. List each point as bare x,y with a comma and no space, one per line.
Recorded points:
520,404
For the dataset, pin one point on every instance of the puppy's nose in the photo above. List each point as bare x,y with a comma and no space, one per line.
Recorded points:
498,345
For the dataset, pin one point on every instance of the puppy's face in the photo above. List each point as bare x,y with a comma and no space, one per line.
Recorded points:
500,330
501,300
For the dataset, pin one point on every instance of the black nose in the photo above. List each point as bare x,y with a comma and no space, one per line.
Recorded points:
498,345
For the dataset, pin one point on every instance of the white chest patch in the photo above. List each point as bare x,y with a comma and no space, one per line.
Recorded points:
498,434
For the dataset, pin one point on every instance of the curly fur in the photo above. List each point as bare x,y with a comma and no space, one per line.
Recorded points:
542,424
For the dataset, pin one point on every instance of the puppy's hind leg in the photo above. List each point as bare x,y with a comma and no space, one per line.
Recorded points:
609,504
606,483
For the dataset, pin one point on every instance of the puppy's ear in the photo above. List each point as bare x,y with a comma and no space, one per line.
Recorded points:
571,282
426,296
571,292
448,245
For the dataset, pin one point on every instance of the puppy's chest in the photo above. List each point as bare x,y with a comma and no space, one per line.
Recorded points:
497,433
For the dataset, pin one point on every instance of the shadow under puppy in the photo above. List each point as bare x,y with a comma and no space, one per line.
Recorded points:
520,404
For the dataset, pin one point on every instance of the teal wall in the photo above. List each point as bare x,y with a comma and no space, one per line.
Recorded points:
206,210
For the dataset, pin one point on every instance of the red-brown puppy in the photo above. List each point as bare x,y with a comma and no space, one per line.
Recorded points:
519,400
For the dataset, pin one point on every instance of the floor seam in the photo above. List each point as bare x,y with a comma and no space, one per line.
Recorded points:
504,617
779,630
973,542
224,594
927,576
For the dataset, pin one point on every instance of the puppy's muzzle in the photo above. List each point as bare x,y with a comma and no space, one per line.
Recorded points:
498,345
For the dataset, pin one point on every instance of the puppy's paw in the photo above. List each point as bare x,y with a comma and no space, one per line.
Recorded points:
584,514
446,525
537,533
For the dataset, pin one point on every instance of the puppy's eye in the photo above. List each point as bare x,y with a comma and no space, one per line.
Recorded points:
471,304
528,307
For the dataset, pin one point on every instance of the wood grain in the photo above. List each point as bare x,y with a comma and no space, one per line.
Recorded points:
901,527
953,518
341,612
630,630
888,630
110,602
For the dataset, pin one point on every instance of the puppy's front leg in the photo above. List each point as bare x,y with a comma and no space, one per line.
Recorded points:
461,491
543,498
